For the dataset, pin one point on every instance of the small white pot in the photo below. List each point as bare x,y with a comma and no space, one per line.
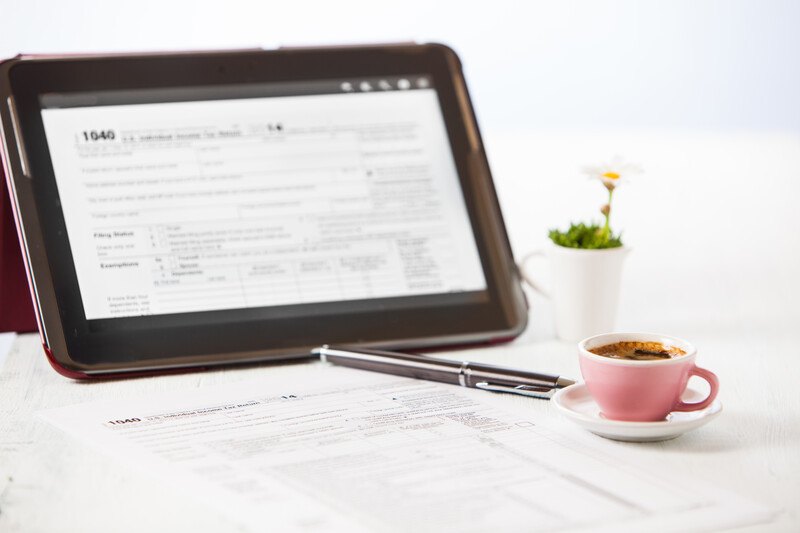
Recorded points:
584,290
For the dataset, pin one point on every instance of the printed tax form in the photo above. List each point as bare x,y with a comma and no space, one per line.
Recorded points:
367,452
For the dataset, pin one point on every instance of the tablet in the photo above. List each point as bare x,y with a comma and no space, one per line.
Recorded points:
197,209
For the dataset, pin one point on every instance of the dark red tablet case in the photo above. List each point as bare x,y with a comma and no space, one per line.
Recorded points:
16,308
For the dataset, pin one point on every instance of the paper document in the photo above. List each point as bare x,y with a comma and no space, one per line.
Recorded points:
256,202
372,452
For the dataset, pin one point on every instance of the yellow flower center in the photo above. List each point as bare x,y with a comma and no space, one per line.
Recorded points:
611,175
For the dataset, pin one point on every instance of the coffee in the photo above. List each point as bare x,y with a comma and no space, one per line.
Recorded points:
638,351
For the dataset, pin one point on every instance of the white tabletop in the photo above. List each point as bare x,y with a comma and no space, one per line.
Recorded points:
716,253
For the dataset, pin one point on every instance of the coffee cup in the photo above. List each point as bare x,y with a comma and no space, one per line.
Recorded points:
646,385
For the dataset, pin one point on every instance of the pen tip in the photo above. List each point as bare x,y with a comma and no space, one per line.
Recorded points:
562,382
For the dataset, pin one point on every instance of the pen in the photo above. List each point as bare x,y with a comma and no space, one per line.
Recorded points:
474,375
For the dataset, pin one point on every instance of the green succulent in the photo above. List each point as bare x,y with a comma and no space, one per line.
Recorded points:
587,237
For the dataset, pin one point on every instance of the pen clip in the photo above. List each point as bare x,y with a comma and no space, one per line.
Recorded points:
544,393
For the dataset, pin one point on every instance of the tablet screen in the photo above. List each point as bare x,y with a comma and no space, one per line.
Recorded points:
233,197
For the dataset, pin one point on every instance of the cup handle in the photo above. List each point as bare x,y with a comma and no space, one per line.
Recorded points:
523,272
713,382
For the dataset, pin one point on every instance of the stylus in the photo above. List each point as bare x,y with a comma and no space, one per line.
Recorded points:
475,375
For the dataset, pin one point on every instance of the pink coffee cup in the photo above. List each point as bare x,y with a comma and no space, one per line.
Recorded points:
643,391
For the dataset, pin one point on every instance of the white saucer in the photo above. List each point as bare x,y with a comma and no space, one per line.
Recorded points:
577,404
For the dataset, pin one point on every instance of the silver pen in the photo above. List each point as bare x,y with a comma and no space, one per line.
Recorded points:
475,375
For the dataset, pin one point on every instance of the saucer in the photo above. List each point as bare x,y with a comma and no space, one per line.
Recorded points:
577,404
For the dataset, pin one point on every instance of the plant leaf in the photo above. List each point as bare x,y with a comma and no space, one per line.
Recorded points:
586,237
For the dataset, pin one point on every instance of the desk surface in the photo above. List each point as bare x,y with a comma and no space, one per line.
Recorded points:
713,226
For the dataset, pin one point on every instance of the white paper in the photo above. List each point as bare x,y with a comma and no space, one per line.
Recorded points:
374,452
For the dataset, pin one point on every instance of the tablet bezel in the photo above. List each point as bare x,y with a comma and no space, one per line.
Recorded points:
82,352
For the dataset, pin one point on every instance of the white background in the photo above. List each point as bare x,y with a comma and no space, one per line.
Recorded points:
699,64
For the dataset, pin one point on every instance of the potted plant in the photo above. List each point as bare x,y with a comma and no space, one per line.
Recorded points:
586,265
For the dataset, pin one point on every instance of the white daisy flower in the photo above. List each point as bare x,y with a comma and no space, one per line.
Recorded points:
610,174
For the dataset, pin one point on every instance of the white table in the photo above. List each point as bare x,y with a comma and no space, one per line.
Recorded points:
716,259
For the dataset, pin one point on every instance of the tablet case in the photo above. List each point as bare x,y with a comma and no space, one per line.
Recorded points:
16,308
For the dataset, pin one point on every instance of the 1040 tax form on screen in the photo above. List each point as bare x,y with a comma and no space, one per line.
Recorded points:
186,206
381,453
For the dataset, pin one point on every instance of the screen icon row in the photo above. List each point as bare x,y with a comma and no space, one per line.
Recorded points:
402,84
